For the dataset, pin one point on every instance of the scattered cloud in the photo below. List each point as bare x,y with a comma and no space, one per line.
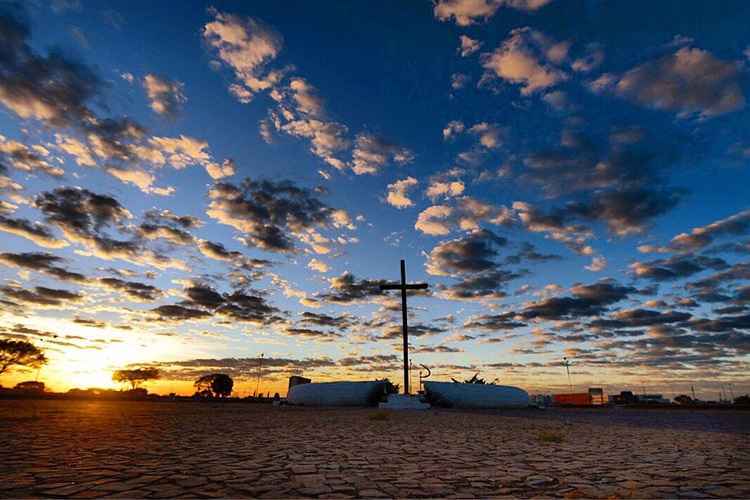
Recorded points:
166,97
468,45
246,45
468,12
702,236
318,265
529,58
398,195
372,153
448,189
690,82
269,214
466,215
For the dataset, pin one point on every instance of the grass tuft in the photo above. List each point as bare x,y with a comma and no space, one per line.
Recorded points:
550,437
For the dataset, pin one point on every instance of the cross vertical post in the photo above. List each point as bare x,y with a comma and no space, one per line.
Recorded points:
405,327
403,287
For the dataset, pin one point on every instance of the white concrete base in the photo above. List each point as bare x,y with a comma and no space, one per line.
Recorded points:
404,402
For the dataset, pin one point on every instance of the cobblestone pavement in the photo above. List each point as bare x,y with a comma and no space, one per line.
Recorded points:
159,450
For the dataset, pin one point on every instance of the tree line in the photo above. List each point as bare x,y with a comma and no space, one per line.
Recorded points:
213,385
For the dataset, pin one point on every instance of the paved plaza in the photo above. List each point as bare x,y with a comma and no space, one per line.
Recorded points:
89,449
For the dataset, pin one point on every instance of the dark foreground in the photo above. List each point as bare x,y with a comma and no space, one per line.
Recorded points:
158,450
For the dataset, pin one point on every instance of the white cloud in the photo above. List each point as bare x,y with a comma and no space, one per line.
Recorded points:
306,98
27,158
246,45
182,151
459,80
218,171
264,128
528,57
166,97
490,135
598,263
77,149
398,192
447,189
140,178
574,236
468,12
319,266
453,129
434,220
240,93
326,138
468,45
371,153
467,215
689,82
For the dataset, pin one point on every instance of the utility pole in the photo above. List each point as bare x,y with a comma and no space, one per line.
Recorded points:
566,364
260,367
411,373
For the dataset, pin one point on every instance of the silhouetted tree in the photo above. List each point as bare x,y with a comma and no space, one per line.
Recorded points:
214,385
742,400
136,376
683,399
390,387
473,380
30,386
20,353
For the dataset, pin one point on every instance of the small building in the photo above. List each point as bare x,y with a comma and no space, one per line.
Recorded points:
624,398
594,397
656,399
596,394
541,400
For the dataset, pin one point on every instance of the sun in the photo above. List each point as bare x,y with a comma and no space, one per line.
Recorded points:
91,361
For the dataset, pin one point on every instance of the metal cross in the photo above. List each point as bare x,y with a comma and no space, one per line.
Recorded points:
403,286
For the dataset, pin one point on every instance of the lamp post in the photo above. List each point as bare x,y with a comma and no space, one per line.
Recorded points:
566,364
260,367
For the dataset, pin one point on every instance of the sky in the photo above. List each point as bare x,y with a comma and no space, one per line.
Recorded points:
193,187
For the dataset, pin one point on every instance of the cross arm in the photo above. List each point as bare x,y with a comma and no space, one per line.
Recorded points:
398,286
394,286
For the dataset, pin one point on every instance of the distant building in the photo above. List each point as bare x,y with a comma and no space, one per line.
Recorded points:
596,394
652,399
624,398
594,397
541,400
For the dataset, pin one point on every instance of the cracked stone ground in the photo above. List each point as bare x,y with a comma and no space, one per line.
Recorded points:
157,450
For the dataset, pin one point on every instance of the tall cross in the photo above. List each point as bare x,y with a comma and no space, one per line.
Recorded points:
403,286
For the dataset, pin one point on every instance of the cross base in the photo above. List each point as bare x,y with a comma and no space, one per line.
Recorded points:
404,402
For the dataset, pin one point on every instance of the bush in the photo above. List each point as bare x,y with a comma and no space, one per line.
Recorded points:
551,437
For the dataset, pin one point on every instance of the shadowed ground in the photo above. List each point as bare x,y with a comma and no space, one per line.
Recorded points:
141,449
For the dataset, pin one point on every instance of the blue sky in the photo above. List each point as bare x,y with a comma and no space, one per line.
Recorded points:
534,161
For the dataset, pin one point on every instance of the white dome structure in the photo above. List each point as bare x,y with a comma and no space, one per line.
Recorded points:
477,396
